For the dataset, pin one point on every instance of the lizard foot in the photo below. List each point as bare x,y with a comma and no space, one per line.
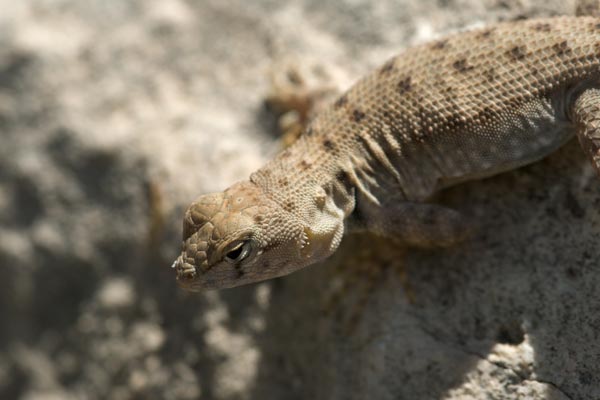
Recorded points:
298,92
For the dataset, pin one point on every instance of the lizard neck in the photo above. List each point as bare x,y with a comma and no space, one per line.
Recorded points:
312,186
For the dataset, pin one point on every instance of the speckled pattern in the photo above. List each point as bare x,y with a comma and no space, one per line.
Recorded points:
101,98
467,106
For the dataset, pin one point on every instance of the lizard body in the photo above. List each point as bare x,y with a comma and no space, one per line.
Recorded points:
465,107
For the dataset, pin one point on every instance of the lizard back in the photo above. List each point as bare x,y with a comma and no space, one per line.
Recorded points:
471,105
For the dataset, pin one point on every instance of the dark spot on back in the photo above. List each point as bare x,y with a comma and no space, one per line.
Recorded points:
329,145
542,27
405,85
517,53
597,26
341,102
388,66
258,219
289,206
358,115
309,131
485,34
462,65
283,182
440,44
561,48
490,75
448,89
303,165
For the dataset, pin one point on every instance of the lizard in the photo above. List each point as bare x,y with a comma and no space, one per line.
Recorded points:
467,106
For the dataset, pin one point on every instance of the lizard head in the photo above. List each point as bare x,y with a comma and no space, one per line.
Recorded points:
239,236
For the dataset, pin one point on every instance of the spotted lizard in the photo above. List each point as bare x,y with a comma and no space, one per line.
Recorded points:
468,106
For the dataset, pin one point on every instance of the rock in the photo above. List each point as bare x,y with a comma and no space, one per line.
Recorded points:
115,115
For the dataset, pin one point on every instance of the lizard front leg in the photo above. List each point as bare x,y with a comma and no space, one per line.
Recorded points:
586,116
299,91
414,224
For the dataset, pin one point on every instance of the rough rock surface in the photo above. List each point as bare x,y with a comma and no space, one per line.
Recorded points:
115,114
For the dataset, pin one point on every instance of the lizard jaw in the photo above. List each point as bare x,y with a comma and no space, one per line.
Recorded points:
316,245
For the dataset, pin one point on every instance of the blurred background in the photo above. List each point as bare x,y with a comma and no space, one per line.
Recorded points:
114,115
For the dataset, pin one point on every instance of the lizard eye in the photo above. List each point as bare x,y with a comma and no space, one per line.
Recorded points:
239,252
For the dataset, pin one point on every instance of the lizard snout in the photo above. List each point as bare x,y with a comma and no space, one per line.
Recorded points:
183,270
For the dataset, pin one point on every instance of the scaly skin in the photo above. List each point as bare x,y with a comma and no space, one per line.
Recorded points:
465,107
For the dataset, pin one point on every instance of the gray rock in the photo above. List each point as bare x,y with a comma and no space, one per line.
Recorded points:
115,115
